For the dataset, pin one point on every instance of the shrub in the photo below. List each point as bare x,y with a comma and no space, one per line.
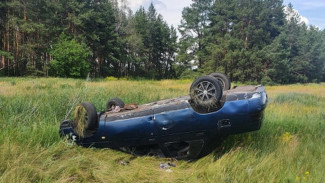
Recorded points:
266,80
70,58
189,74
111,78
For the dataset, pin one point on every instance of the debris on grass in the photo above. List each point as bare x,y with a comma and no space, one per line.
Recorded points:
166,165
123,162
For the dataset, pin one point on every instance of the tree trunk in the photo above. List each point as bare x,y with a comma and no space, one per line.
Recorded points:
8,41
3,61
246,38
100,61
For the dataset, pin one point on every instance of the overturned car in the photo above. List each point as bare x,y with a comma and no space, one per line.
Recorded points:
184,127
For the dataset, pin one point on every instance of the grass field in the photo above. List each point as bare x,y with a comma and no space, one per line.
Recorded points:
290,147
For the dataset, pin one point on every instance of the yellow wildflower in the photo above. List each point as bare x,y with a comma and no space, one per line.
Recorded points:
297,178
286,137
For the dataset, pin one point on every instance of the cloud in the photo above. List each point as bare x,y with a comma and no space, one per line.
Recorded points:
306,4
135,4
159,5
304,19
313,9
295,13
171,10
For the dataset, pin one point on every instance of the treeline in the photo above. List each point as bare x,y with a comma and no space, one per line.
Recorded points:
249,40
71,38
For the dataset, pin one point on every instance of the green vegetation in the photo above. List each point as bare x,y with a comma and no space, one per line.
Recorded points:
70,58
122,43
288,148
249,40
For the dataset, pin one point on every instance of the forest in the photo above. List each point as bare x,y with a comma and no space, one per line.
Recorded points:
249,40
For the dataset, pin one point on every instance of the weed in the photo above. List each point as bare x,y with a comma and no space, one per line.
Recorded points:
65,85
299,98
79,84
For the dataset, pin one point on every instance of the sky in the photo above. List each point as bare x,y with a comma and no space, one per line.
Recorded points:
312,11
171,10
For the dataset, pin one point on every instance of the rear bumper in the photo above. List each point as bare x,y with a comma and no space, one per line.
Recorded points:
253,119
66,131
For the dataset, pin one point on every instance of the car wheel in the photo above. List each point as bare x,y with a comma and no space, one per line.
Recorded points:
112,103
205,93
223,79
85,118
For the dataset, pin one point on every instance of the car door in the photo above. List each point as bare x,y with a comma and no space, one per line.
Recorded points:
173,120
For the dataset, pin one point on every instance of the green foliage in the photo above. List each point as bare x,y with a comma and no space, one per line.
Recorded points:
296,54
267,81
156,44
122,44
250,41
189,74
194,31
7,55
70,58
239,31
32,71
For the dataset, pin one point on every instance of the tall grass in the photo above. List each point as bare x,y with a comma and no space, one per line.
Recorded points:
288,148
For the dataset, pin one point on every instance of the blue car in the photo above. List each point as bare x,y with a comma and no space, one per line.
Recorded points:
185,127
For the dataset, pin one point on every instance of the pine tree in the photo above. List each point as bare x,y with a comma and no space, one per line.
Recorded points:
297,55
194,21
238,32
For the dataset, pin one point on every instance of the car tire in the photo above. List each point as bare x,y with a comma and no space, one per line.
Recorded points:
85,119
205,93
92,119
114,102
223,79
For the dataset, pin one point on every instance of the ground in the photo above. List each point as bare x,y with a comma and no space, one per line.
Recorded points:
288,148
